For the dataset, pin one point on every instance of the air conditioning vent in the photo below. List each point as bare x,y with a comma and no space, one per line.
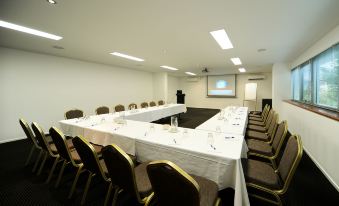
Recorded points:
256,77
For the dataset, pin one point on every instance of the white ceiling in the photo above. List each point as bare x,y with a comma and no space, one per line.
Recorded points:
173,33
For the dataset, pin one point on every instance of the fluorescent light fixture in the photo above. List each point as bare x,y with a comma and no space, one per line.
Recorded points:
51,1
190,73
28,30
236,61
222,39
127,56
170,68
242,70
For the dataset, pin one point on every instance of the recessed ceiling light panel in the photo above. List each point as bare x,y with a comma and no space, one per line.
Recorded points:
222,39
51,1
127,56
29,30
236,61
190,73
168,67
242,70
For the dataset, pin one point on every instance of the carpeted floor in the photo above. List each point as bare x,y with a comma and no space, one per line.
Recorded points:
18,186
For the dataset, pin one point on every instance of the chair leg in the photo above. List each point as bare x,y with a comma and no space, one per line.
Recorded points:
88,183
115,197
75,182
30,155
37,161
64,163
53,168
42,163
108,195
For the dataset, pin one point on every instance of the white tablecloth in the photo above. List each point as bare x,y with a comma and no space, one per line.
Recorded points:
233,121
188,148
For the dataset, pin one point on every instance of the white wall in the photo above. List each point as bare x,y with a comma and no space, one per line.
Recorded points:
41,88
319,134
196,95
173,86
160,86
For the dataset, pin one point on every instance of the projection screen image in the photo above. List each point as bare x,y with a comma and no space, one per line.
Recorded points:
221,85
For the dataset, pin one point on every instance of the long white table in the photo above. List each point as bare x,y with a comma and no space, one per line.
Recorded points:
188,148
233,120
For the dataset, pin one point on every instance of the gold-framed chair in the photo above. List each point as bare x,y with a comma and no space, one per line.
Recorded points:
267,183
74,113
173,186
130,106
263,128
119,108
266,150
258,113
152,104
68,157
92,164
161,102
264,136
262,116
102,110
31,138
125,175
144,105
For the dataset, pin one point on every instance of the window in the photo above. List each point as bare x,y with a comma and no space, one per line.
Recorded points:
316,81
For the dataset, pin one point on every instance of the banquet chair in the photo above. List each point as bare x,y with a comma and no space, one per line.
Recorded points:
161,102
262,118
119,108
131,105
31,138
102,110
266,150
74,113
68,157
258,114
263,128
144,105
173,186
92,165
152,104
264,136
267,183
125,175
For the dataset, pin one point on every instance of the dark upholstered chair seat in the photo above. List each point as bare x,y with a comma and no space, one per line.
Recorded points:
259,147
208,191
143,183
255,118
103,166
75,156
257,135
253,122
97,148
55,150
254,115
256,128
261,173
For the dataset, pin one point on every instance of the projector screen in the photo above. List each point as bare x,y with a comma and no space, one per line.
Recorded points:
221,85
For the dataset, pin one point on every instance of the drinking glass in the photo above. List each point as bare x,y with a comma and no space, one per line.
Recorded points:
210,139
218,130
174,123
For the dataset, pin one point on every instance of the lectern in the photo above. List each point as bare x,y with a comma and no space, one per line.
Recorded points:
180,97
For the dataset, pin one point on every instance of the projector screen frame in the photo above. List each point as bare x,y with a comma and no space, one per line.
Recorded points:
223,96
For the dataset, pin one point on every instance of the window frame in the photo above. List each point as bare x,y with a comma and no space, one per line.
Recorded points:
314,79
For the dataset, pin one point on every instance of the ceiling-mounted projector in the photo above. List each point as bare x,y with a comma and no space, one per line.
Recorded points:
205,70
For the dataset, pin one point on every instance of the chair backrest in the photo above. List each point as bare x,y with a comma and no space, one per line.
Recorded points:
121,170
131,105
161,102
266,112
290,160
269,118
60,143
102,110
172,185
74,113
279,137
119,108
88,155
273,125
28,132
40,136
144,105
152,104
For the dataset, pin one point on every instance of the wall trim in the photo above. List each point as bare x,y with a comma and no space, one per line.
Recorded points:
11,140
322,170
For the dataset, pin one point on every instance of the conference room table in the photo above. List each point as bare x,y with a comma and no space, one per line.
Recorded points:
207,153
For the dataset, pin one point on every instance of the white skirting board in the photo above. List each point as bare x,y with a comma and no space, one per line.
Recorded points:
11,140
322,170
